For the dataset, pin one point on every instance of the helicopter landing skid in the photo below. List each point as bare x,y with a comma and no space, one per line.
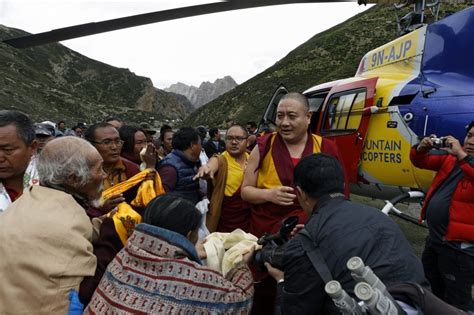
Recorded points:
390,207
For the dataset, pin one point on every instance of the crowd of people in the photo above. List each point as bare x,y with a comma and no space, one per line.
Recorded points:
103,218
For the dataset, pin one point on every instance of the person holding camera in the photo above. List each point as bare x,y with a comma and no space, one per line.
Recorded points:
341,229
448,257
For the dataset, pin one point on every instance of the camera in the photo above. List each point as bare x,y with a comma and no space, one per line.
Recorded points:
274,245
439,142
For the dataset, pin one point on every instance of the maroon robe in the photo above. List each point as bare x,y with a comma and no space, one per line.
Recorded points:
267,217
235,214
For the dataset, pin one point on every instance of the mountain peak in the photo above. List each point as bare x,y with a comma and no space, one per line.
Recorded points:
206,91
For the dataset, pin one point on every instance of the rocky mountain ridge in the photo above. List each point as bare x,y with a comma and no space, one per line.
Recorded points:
206,91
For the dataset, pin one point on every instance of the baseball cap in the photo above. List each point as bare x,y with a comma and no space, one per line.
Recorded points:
44,130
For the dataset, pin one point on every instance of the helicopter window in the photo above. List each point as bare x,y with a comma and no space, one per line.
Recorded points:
315,104
343,108
356,112
331,114
344,112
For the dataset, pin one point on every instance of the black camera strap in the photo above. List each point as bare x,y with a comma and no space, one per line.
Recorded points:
315,256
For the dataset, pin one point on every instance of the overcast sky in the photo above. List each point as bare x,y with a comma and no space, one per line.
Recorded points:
240,44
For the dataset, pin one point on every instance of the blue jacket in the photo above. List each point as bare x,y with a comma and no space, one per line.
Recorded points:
185,187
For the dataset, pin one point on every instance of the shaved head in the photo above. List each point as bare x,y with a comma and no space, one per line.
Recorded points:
297,97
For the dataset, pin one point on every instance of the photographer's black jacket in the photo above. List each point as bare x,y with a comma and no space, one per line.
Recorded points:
344,229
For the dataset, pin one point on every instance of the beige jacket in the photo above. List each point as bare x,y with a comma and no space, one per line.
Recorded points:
45,251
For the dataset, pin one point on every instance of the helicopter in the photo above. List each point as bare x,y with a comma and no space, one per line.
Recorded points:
421,83
417,85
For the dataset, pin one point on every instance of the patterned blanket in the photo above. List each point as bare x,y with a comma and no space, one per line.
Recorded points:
158,271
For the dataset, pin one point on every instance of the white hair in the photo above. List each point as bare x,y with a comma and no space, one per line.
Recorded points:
63,157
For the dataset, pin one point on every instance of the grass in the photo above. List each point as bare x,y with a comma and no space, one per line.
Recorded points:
415,234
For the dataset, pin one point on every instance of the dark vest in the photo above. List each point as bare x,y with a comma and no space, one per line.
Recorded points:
185,169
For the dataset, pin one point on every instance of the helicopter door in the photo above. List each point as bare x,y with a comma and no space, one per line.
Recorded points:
267,123
345,120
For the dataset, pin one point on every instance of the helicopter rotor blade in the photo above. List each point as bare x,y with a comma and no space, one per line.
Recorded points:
146,18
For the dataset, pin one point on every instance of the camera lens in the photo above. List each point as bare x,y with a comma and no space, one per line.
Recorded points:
437,142
444,143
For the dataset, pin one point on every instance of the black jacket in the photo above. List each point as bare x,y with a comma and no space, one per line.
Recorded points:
211,149
344,229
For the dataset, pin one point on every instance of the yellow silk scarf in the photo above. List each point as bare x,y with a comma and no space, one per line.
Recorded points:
125,219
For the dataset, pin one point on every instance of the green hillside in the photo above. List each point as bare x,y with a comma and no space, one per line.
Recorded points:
52,82
331,55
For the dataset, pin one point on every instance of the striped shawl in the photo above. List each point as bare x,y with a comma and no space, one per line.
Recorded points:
158,271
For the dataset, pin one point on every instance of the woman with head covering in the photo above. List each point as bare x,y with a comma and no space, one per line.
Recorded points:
160,271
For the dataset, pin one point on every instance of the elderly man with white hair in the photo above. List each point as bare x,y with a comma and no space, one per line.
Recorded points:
45,235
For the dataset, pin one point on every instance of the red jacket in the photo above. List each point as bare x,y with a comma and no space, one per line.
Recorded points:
461,210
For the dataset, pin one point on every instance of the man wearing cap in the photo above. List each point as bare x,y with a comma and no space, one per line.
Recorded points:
43,133
79,129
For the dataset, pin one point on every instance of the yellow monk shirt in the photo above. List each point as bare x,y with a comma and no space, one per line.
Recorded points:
268,175
235,174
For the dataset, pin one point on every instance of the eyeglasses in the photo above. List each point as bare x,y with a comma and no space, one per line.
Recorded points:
238,139
109,143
